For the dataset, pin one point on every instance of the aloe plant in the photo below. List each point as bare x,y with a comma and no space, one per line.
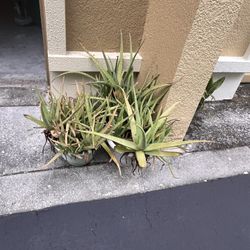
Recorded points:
64,117
211,87
150,142
113,78
137,127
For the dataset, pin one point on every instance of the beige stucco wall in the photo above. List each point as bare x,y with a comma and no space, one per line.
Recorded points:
97,24
194,44
167,25
212,24
183,40
239,39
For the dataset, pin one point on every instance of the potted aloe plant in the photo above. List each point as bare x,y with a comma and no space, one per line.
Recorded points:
148,134
63,118
143,131
140,126
114,79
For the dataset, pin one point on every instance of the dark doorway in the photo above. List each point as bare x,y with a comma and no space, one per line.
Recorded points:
21,48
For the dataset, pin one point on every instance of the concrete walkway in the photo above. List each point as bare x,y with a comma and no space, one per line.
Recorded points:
26,186
38,189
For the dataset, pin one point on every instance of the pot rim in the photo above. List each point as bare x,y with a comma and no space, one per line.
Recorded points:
89,151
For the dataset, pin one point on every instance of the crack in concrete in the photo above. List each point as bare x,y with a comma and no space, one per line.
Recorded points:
47,169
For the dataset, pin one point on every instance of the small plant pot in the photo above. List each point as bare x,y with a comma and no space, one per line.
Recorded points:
79,160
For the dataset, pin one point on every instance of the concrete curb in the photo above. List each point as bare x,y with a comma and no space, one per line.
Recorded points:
39,190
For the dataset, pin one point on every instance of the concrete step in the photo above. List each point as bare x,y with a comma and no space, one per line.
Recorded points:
23,192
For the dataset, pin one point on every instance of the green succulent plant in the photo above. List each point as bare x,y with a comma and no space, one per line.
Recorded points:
122,111
150,142
64,117
211,87
113,79
142,131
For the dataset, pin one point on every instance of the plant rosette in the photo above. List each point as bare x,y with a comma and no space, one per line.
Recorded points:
130,156
64,118
126,159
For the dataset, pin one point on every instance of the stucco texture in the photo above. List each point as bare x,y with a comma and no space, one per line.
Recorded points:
167,26
239,39
212,24
97,24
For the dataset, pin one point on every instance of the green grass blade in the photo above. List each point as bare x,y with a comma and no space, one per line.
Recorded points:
132,121
141,159
112,156
120,63
160,153
56,156
74,72
171,144
123,142
35,120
